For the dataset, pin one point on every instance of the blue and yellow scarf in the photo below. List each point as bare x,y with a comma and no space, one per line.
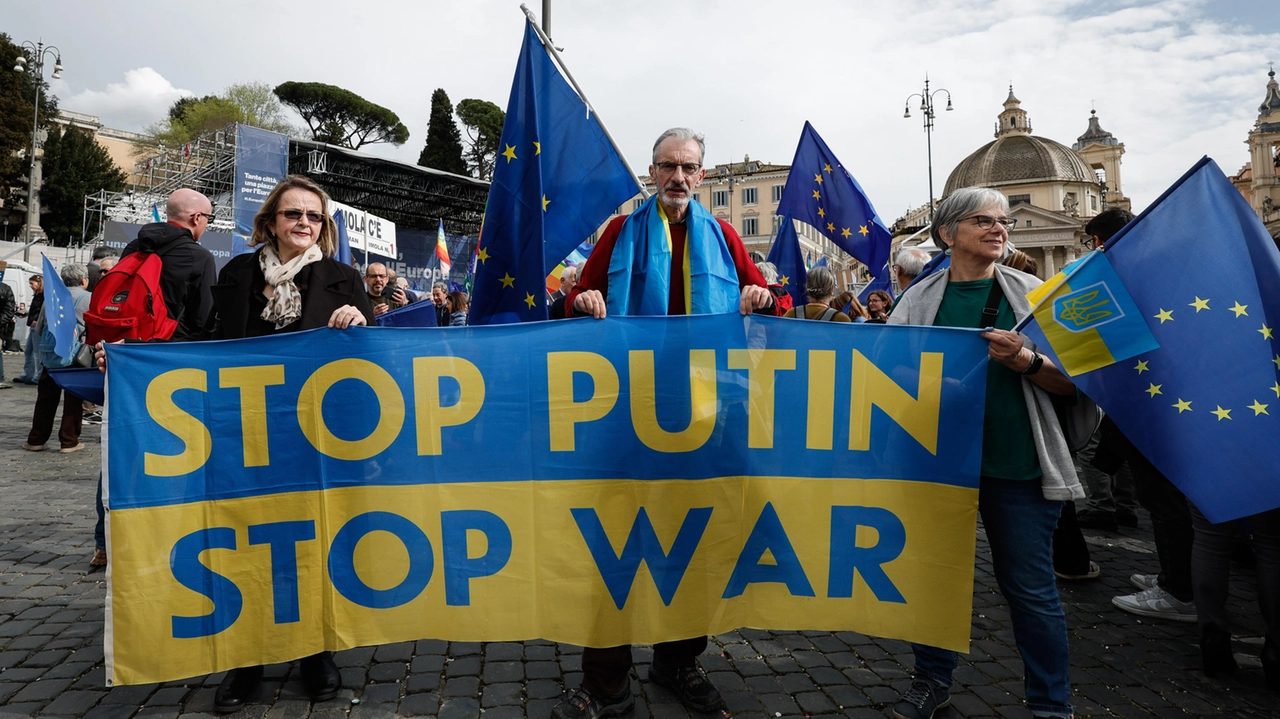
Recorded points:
640,268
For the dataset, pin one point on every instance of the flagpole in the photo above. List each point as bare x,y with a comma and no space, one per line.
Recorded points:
551,48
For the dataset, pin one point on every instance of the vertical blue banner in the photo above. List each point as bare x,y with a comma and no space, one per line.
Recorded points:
262,161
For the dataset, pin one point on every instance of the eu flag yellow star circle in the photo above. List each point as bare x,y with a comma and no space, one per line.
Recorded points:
507,280
1184,405
509,153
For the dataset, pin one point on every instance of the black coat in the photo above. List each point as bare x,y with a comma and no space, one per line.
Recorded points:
185,276
325,286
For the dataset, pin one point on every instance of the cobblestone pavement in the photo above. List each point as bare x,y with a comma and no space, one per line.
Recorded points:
51,632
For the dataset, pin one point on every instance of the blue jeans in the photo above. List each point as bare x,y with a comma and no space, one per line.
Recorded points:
31,364
1020,523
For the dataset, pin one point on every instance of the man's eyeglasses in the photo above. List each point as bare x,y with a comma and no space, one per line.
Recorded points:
206,215
314,218
690,168
376,276
986,222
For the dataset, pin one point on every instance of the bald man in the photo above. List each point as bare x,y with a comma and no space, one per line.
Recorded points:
189,270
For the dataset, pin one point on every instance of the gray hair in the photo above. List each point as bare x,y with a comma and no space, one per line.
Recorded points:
74,274
961,204
442,286
911,261
682,133
769,270
821,283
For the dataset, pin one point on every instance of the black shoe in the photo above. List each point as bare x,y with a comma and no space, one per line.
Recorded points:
321,676
1271,665
237,688
582,704
1127,518
1096,519
690,685
1215,652
921,700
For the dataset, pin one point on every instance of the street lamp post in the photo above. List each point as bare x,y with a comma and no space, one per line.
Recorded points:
926,106
39,52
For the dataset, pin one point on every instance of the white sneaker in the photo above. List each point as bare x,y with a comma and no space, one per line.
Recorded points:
1156,602
1143,581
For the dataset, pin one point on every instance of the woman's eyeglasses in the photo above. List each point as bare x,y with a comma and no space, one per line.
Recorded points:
314,218
986,222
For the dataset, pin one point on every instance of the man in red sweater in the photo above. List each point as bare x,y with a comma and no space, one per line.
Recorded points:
649,276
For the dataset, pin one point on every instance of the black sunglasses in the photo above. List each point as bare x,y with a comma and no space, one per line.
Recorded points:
314,218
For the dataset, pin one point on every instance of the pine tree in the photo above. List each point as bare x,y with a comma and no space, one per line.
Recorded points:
443,150
75,165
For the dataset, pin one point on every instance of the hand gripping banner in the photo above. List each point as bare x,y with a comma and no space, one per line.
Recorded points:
629,480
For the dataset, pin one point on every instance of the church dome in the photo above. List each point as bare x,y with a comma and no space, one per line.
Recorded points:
1018,160
1016,157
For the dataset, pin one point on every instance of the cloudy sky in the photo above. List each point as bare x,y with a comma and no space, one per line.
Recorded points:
1172,79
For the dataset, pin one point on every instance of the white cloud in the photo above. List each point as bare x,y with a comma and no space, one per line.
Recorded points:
143,98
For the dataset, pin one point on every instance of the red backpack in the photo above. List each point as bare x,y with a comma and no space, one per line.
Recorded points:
127,302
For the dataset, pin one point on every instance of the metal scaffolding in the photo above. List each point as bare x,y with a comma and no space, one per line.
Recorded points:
413,197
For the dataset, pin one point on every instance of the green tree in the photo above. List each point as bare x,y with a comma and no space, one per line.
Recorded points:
75,165
483,121
341,117
249,103
17,98
443,150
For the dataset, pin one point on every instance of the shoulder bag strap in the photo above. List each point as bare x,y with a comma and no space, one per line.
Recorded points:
992,309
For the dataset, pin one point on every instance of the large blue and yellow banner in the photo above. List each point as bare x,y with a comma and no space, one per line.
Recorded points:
593,482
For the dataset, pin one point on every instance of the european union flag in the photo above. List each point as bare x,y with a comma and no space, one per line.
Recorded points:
785,255
1204,407
59,311
418,314
557,178
822,193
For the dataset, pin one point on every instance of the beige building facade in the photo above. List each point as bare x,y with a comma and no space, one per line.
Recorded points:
1259,179
1053,189
119,144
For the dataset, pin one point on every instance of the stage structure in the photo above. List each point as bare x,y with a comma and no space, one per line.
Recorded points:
415,198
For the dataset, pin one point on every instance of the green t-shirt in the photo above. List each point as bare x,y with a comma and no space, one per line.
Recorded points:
1008,448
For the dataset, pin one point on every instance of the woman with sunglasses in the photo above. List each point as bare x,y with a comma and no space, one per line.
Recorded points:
291,283
1026,473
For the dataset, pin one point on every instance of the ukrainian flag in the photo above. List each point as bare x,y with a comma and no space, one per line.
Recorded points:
1087,318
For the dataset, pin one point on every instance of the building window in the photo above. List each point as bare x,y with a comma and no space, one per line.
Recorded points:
749,196
777,223
720,198
636,203
1016,199
1093,201
750,226
697,197
777,193
619,210
1028,223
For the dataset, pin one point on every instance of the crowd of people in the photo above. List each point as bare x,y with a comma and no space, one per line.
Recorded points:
691,262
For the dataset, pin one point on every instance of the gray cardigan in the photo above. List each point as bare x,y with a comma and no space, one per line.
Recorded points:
919,306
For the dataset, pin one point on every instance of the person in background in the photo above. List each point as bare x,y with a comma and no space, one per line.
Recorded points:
820,285
781,298
290,283
879,303
95,266
1026,469
76,277
410,296
440,296
8,306
376,280
31,362
568,278
1022,262
457,309
911,262
857,313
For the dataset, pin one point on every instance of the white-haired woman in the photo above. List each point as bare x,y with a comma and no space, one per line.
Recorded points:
1027,472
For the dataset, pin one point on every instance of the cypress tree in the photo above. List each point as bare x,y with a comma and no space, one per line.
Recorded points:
443,150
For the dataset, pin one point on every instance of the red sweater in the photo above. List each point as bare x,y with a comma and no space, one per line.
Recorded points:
594,275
